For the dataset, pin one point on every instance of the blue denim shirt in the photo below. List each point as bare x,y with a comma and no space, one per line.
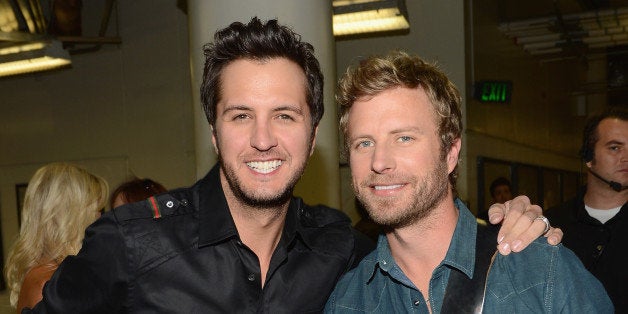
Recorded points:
540,279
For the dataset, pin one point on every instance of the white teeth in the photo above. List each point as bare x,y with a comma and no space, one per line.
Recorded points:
387,187
264,166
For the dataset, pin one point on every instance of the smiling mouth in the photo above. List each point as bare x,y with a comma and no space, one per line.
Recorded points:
264,167
386,187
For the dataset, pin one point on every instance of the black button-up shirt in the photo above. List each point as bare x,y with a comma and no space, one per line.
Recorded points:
601,247
181,253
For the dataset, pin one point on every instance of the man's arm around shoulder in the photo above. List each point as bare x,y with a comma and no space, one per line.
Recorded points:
93,281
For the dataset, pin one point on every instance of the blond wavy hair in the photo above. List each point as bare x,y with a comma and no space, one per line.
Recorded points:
61,200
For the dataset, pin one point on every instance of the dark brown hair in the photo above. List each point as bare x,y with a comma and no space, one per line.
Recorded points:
590,135
499,182
136,190
259,41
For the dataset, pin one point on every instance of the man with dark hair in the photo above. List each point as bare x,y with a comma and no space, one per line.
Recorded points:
596,220
434,257
501,192
237,241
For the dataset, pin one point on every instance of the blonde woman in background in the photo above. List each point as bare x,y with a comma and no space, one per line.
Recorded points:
61,201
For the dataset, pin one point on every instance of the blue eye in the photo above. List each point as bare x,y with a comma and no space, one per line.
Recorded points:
404,138
364,144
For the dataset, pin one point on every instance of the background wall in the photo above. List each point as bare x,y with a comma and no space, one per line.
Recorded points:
123,110
542,125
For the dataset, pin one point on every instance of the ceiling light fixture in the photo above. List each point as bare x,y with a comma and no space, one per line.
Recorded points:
352,17
33,57
554,34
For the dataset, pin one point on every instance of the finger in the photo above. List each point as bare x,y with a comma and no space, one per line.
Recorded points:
525,230
554,236
516,236
496,213
527,236
514,209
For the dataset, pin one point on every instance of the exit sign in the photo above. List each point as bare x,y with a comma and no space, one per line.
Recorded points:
493,91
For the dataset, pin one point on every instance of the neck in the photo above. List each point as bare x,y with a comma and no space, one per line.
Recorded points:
259,229
599,195
419,248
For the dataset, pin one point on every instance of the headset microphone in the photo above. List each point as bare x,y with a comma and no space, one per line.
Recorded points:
614,185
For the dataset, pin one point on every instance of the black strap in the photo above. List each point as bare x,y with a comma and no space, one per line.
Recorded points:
464,295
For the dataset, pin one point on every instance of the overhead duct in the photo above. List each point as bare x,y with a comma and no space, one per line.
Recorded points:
556,34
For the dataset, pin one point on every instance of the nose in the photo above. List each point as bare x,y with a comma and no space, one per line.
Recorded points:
263,137
383,160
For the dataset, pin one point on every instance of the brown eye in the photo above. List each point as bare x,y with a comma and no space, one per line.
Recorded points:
285,117
241,116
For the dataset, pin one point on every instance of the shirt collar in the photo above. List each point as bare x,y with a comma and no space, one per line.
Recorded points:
461,252
216,223
292,228
460,255
387,263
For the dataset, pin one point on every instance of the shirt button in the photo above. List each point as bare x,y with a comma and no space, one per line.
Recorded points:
251,277
417,302
169,204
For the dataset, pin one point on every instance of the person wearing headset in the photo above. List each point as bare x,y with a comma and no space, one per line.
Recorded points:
595,222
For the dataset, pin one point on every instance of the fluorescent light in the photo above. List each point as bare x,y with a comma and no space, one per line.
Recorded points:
33,57
369,22
22,48
369,16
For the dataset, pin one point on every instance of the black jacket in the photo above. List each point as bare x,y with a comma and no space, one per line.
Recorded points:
182,254
602,248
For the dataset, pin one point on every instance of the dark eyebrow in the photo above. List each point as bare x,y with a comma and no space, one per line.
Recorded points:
614,142
237,107
294,109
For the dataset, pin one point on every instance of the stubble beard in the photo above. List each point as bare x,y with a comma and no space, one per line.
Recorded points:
424,198
251,196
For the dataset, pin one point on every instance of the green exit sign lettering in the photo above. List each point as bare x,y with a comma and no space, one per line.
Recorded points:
493,91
